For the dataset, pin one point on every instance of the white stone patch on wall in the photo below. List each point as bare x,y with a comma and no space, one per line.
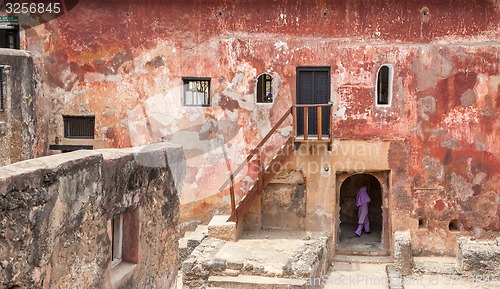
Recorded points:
479,178
286,130
163,110
261,120
341,112
190,140
240,86
481,87
433,165
460,123
280,45
462,188
429,67
232,115
138,127
426,107
90,77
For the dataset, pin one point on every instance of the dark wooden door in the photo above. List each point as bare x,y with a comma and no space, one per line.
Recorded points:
313,87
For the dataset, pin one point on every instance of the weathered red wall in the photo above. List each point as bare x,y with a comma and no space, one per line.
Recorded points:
123,61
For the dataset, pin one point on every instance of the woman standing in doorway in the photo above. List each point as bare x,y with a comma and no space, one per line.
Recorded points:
362,200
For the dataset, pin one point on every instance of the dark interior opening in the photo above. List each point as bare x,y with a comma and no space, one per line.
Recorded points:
9,36
383,85
349,214
422,224
454,226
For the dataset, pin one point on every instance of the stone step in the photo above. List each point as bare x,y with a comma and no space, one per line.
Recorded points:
353,275
436,265
191,240
363,259
202,229
254,282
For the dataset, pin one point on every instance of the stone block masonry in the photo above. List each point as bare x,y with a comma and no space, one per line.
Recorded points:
56,216
479,257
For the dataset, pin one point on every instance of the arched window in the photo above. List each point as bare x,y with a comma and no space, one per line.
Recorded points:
383,92
264,88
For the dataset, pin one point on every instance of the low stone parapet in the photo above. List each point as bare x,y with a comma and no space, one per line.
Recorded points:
479,257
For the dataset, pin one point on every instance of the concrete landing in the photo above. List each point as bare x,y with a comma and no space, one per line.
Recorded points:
353,275
191,240
291,255
255,282
367,244
363,259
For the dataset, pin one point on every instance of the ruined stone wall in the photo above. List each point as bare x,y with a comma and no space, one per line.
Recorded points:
127,71
19,120
56,212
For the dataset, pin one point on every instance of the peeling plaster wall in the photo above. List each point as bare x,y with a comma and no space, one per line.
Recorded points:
55,229
126,69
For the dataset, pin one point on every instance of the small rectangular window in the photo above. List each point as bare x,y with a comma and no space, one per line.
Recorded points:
117,240
125,238
9,36
2,94
196,91
79,127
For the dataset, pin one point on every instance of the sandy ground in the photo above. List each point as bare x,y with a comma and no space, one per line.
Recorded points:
451,281
354,275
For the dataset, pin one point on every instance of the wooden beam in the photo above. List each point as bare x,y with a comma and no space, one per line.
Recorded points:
294,125
320,122
306,122
314,105
330,125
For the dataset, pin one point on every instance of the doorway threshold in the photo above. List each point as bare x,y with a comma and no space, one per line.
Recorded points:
362,259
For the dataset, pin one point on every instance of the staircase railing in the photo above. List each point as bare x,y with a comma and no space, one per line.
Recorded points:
265,174
263,177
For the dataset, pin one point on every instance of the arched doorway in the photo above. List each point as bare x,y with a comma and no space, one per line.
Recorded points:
347,241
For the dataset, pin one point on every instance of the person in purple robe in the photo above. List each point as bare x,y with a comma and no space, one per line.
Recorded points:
362,200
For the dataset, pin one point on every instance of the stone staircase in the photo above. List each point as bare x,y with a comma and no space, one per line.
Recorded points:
254,282
275,259
191,240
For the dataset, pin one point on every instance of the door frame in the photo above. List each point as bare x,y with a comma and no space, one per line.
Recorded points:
383,178
322,68
311,68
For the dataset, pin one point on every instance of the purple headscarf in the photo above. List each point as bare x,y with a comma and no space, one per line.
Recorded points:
362,197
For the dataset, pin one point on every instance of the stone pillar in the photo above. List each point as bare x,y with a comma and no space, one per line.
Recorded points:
403,260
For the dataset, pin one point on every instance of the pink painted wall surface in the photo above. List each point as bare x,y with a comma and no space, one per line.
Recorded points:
123,61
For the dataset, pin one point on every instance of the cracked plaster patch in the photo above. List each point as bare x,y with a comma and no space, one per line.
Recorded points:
462,188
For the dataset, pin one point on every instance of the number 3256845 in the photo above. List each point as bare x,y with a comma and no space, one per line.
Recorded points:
33,8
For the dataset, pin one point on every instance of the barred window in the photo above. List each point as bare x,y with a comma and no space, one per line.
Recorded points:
9,36
196,91
79,127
